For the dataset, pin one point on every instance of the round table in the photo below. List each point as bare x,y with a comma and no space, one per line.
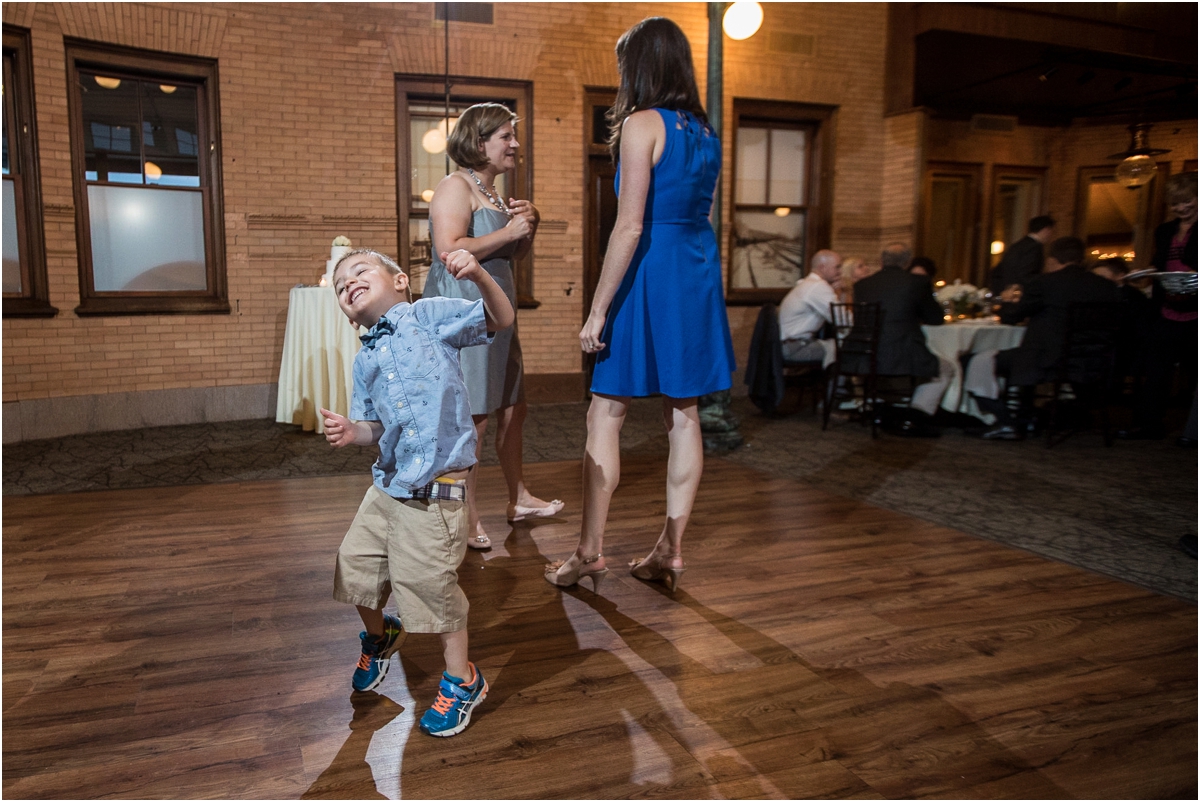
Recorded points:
316,369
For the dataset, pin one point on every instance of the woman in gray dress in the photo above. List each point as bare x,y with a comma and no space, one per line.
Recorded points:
467,212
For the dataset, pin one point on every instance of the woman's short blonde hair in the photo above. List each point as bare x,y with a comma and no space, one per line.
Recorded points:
847,267
474,127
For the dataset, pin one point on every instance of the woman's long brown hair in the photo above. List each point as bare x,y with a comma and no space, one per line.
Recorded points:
655,62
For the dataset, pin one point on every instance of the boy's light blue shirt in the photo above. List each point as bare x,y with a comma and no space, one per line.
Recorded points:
407,377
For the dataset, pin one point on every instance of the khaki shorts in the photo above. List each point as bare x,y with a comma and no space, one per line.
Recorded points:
410,548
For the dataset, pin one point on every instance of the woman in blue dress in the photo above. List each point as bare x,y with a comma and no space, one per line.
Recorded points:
467,212
657,324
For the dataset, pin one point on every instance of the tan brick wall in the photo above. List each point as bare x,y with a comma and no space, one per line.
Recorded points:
309,142
1061,150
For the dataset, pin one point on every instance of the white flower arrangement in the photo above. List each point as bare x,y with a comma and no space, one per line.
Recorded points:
959,293
341,241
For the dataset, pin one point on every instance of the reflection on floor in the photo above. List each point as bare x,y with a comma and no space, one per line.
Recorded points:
819,647
1119,510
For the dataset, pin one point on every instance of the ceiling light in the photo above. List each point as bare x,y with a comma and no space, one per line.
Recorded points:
1139,143
434,141
742,20
1135,171
782,211
108,83
167,88
153,173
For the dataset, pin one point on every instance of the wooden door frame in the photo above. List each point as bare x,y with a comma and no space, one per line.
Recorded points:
973,170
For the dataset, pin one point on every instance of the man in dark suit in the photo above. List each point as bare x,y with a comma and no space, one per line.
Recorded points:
907,302
1023,259
1044,304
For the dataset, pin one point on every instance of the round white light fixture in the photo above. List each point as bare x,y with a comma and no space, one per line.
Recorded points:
153,173
434,141
997,247
108,83
1135,171
427,195
782,211
167,89
742,20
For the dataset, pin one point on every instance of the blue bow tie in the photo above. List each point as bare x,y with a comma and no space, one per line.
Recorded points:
383,327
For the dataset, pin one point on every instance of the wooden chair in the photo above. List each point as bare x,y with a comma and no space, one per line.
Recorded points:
856,330
1088,362
764,392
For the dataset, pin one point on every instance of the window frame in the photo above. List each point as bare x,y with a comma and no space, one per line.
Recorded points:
819,120
432,89
34,298
138,64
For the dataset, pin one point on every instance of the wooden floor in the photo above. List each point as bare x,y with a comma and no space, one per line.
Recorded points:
182,643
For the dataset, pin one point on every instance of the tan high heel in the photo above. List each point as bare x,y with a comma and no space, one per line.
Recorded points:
650,572
572,577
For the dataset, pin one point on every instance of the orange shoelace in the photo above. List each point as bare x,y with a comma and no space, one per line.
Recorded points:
443,703
364,662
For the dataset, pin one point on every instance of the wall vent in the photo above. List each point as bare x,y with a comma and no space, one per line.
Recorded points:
795,44
464,12
994,123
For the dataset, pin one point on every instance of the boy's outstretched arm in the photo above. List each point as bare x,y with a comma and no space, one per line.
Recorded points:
341,431
496,308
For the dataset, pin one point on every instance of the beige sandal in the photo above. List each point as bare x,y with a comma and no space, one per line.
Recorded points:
480,542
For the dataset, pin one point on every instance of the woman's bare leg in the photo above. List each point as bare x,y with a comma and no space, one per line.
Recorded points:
685,465
474,527
510,427
601,474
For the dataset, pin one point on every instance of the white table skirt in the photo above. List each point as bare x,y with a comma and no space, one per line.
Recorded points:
319,345
952,340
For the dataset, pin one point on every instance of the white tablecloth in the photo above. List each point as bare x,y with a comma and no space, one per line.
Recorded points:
319,345
952,340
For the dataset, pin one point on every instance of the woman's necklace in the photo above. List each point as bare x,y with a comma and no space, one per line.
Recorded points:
499,204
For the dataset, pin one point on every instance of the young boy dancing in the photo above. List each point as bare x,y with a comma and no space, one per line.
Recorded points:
409,535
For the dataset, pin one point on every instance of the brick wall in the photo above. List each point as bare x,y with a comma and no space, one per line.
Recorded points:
1061,150
309,141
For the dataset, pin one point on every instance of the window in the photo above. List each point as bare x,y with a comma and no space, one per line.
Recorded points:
782,188
26,290
422,162
147,169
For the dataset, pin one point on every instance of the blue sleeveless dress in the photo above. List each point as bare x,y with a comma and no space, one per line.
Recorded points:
667,331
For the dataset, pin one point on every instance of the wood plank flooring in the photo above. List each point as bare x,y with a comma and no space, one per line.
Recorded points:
182,643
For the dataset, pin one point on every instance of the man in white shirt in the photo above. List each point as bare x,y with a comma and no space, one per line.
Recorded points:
805,309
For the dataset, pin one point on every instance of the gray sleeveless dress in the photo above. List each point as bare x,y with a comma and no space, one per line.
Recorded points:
494,373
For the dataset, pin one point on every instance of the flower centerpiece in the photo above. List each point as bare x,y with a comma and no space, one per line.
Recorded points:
961,300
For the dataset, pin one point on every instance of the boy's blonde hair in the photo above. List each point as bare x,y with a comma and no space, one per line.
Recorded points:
381,259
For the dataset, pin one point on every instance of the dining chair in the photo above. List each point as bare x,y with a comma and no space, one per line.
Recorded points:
1087,364
856,328
768,373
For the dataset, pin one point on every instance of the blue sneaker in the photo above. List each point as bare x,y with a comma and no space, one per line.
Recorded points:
376,655
451,712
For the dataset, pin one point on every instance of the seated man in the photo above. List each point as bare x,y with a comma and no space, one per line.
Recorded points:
907,302
805,309
1044,303
1023,259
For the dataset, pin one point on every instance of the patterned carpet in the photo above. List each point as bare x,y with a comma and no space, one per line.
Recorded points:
1119,511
